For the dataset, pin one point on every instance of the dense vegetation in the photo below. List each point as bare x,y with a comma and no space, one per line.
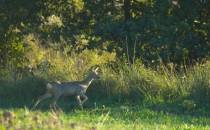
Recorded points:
153,57
173,31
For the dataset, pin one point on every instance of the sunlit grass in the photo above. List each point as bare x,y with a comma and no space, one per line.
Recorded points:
102,118
119,84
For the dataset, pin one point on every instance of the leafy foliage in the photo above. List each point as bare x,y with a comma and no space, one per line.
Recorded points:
175,31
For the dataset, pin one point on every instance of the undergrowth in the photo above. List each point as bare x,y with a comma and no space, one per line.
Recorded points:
118,82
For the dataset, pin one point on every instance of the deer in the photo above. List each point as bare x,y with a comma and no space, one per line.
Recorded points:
72,88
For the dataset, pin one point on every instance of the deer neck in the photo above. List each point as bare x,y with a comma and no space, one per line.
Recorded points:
87,81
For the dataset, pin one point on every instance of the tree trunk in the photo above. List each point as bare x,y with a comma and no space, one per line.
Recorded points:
127,9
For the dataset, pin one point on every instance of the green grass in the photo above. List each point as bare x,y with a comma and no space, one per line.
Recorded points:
175,99
114,117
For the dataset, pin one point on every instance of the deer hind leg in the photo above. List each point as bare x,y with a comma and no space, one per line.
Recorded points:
54,104
45,96
79,101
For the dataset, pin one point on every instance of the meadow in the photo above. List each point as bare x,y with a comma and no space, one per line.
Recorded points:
153,58
102,117
127,96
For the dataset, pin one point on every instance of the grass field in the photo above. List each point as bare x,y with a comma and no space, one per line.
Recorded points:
126,96
102,117
124,101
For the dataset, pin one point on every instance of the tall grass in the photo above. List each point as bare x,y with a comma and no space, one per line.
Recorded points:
136,82
131,83
119,81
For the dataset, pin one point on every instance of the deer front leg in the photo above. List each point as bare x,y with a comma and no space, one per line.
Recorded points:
85,98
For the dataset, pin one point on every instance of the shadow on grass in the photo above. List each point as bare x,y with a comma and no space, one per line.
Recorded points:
67,104
178,109
21,96
135,113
